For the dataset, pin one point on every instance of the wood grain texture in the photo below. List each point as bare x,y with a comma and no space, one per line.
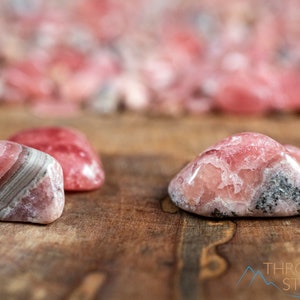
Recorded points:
127,240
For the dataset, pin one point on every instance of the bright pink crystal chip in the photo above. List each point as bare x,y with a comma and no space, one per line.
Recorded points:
31,185
247,174
82,167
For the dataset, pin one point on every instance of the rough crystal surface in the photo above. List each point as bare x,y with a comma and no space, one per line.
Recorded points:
81,166
31,185
247,174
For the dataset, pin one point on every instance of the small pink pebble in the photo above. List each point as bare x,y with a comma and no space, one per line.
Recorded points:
82,167
31,185
247,174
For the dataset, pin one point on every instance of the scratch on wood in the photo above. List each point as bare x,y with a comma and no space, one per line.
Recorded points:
212,265
197,256
89,286
189,249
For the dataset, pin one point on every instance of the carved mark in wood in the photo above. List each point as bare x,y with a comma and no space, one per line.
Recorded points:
89,287
197,255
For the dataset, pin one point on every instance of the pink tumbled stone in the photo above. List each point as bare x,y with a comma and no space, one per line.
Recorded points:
82,167
31,185
247,174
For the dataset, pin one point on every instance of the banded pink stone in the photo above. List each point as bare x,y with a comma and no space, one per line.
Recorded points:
247,174
31,185
82,167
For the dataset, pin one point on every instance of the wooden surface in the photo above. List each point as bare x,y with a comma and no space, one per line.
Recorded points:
127,241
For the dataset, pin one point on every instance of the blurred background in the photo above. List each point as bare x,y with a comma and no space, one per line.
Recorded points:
170,57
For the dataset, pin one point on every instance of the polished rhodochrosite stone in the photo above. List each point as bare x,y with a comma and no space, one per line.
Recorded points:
81,166
31,185
247,174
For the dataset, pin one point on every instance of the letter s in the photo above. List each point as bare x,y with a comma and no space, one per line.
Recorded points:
286,284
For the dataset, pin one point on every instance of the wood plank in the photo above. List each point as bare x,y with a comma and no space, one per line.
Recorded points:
127,241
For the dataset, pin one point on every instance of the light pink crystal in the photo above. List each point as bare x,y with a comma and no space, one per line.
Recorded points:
31,185
247,174
81,165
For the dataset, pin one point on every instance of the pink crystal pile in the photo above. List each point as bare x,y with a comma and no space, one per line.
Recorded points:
247,174
31,185
169,57
81,165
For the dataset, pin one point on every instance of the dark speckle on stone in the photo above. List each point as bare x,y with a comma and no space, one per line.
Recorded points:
278,188
218,214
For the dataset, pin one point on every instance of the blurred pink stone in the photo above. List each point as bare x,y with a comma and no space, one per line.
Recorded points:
66,60
247,174
159,72
89,78
80,86
183,45
82,167
133,93
290,87
107,19
244,93
28,78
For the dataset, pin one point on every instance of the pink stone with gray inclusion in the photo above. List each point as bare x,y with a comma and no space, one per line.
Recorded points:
247,174
31,185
